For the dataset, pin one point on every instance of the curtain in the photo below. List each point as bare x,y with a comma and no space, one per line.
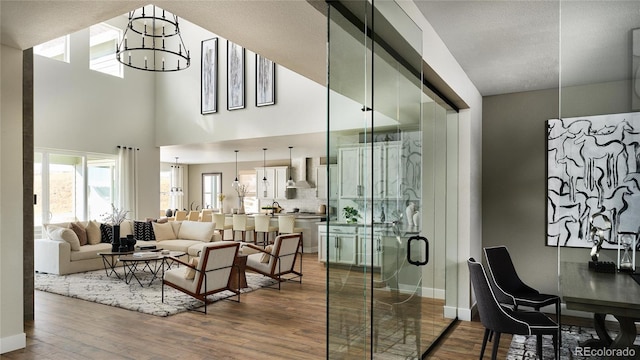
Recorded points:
177,191
128,180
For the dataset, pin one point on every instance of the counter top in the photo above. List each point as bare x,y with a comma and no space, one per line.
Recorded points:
298,216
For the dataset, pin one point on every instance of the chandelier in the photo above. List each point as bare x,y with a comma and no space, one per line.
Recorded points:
265,182
152,42
236,183
290,182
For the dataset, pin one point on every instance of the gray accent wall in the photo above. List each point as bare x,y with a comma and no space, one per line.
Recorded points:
514,171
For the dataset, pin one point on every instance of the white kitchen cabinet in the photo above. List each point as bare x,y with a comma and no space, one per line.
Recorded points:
277,177
370,249
338,246
327,188
358,180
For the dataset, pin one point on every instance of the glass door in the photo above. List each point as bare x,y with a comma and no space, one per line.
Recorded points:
390,138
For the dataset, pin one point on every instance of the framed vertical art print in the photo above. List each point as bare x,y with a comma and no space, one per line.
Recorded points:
265,81
235,76
209,80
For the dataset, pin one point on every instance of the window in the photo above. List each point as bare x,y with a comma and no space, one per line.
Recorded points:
211,188
103,40
71,187
165,189
57,49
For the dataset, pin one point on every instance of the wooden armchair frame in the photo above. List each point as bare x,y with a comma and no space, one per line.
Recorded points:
274,268
202,273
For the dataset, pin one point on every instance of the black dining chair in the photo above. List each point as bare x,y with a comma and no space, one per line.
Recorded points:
499,319
509,288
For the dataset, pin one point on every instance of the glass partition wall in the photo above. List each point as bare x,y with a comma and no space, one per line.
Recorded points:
593,164
390,253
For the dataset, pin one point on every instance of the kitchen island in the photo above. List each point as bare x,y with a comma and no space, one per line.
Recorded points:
307,221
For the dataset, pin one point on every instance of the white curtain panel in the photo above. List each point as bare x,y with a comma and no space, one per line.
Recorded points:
177,191
128,180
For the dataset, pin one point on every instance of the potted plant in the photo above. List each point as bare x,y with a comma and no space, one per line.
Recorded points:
350,214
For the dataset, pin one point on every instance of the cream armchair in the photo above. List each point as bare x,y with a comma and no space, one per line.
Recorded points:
209,275
278,259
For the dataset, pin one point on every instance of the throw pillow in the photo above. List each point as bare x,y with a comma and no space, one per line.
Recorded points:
163,231
190,274
106,233
64,234
93,233
266,257
80,232
195,230
143,230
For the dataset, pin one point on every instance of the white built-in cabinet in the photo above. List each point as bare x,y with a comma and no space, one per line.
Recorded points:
355,175
277,177
350,245
341,240
324,189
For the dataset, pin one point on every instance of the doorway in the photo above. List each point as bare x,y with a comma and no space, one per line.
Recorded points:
390,251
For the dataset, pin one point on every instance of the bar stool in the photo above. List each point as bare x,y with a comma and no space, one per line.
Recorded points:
262,225
240,224
286,225
221,226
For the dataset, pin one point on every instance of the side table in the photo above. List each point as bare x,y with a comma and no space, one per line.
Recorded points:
238,278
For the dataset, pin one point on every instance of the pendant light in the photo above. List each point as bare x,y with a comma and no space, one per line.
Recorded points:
290,182
265,183
236,182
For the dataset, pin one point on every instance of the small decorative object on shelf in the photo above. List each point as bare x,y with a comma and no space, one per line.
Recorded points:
627,244
350,214
410,211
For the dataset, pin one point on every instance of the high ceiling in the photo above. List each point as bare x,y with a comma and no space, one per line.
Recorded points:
503,46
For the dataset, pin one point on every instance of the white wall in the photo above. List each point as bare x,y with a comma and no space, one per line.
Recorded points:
436,54
300,103
83,110
12,334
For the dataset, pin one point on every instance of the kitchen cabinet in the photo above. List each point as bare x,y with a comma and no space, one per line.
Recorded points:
338,246
370,249
277,177
355,175
327,188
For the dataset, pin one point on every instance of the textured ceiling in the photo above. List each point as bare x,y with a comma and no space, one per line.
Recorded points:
513,46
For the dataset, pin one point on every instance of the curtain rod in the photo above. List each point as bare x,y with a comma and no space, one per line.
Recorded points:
126,147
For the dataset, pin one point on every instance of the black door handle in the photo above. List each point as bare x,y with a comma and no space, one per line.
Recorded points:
426,251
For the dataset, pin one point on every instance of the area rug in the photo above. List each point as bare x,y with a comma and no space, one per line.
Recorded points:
524,347
97,287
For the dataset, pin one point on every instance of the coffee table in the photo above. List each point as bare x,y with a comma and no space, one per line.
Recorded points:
110,261
151,261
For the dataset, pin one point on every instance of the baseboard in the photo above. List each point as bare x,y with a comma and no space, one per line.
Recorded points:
466,314
450,312
433,293
12,343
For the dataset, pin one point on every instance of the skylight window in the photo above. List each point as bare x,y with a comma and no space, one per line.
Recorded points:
102,52
57,49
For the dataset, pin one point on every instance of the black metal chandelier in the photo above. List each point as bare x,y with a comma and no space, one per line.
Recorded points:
152,42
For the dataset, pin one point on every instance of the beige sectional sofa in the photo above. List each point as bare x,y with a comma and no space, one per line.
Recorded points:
59,250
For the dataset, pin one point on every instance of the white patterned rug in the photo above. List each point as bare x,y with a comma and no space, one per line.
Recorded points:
524,347
97,287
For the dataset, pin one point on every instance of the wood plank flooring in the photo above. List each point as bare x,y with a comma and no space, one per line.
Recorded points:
266,324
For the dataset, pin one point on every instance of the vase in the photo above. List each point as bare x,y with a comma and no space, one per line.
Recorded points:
241,205
168,213
115,238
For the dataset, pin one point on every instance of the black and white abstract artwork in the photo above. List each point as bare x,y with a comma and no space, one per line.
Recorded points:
265,81
593,171
208,92
235,76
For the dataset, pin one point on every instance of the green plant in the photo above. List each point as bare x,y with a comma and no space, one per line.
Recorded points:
351,214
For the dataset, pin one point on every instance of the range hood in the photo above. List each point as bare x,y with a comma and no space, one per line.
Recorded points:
301,181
